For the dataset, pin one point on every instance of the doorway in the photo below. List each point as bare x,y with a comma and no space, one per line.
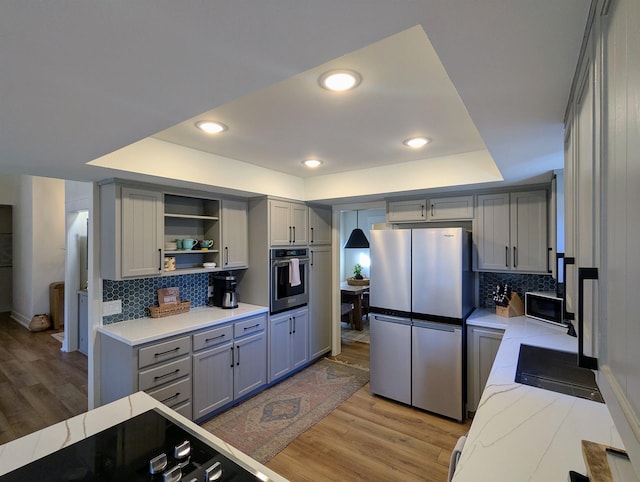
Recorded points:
77,269
354,322
6,258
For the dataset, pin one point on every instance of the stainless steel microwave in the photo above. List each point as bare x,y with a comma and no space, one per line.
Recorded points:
545,306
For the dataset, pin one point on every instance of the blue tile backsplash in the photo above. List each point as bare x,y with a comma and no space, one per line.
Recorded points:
138,294
520,283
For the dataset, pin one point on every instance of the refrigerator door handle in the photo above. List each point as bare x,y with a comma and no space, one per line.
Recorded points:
391,319
436,326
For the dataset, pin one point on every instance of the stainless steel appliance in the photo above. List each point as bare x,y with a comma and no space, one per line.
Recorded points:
224,291
421,285
144,448
545,306
286,292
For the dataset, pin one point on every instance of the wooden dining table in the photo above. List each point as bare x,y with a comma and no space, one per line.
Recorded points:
354,295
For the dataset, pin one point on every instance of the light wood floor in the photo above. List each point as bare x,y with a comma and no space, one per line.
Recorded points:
371,438
39,384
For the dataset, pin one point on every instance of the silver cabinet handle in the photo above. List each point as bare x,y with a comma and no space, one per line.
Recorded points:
160,377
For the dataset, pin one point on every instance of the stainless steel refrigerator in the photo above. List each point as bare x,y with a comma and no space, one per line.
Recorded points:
421,292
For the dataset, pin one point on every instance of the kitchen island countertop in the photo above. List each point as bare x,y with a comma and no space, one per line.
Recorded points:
525,433
39,444
145,330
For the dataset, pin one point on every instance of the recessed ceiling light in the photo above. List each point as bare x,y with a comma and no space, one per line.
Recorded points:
416,142
211,127
312,163
340,80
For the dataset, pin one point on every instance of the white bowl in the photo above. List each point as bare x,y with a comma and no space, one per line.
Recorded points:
209,265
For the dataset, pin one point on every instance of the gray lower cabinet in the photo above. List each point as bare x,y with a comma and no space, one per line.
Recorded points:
194,373
288,338
162,369
482,347
228,363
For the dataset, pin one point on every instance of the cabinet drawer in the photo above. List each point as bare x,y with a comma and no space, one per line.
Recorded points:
163,351
154,377
212,337
174,394
249,326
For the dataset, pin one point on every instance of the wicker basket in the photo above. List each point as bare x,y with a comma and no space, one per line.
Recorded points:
358,282
168,310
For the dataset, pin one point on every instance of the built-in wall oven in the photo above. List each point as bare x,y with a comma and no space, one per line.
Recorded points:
286,292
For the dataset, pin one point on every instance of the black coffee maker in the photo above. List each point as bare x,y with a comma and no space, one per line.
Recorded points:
224,290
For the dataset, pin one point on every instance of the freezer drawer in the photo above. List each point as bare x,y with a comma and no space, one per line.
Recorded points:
437,377
390,357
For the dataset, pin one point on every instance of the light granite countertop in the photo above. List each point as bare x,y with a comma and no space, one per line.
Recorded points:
36,445
524,433
145,330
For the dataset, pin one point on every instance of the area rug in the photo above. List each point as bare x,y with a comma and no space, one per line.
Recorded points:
265,424
58,336
355,335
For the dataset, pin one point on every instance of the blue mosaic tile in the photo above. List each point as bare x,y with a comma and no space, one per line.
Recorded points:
138,294
520,283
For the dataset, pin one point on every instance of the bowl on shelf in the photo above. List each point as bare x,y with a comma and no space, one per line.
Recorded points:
170,246
209,265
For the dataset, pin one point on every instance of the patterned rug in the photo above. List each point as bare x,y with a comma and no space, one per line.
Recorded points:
265,424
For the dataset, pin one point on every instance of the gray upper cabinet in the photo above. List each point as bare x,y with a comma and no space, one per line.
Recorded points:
235,235
511,232
450,208
137,221
407,211
319,225
288,223
131,232
319,301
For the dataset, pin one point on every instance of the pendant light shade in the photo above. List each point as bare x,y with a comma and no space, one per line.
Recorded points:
357,239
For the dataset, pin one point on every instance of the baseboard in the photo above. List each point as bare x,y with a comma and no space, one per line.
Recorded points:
20,319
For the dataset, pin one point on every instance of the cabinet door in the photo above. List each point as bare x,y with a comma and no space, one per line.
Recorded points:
529,245
319,301
251,364
235,237
280,331
492,237
450,208
319,225
300,223
406,211
212,379
141,242
482,348
299,338
279,226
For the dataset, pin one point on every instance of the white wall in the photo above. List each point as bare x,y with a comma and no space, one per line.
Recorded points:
39,245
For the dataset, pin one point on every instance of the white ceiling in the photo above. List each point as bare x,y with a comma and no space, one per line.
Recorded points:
80,80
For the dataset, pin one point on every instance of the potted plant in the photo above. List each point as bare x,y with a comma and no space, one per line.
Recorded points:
357,271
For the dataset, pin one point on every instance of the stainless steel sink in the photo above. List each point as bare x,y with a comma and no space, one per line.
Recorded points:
557,371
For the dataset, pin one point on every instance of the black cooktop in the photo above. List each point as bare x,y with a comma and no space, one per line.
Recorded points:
557,371
127,451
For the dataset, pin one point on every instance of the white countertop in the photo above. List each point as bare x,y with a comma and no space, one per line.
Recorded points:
145,330
524,433
36,445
